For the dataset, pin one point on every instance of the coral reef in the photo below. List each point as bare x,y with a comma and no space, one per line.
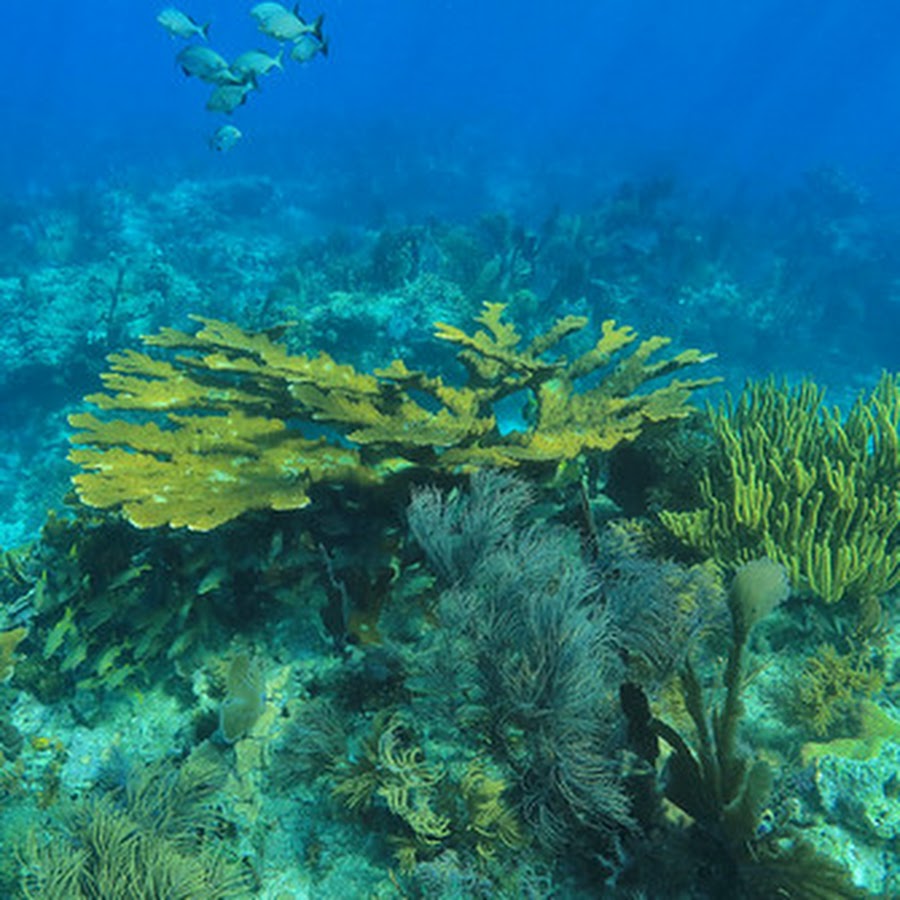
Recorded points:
796,482
110,605
832,687
229,405
433,807
524,641
719,784
443,696
153,838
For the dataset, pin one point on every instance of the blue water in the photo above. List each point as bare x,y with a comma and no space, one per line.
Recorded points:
718,91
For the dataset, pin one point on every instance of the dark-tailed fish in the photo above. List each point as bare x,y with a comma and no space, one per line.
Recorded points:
181,25
289,26
226,98
206,64
224,138
306,47
255,63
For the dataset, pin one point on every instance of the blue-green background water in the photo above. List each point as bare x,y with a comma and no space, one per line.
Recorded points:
458,109
719,92
723,174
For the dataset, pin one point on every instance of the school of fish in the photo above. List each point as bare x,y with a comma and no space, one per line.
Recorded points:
232,82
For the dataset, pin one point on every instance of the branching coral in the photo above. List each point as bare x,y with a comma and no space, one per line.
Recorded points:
430,808
532,647
226,424
491,821
795,482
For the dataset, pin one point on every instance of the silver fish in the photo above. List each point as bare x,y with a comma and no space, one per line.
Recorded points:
226,98
255,63
307,46
181,25
288,26
263,11
206,64
224,138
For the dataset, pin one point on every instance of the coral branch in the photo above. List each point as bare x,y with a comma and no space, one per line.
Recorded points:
232,422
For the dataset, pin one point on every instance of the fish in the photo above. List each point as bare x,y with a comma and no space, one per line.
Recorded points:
181,25
224,138
207,65
263,11
289,26
255,63
307,46
226,98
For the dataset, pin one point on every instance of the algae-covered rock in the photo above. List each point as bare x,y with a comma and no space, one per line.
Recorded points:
863,794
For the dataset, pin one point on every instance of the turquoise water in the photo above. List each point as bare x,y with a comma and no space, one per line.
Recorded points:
420,577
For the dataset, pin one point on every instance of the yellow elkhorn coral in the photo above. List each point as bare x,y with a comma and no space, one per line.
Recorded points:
223,426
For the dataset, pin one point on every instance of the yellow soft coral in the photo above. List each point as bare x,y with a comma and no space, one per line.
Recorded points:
9,640
833,687
233,422
490,818
796,482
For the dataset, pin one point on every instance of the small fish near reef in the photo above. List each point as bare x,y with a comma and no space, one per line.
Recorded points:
262,12
226,98
285,25
224,138
306,47
253,64
207,65
181,25
232,82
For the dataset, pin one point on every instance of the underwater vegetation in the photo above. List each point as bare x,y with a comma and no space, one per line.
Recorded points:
154,836
521,661
834,688
794,481
229,408
401,604
519,617
717,783
461,754
526,701
432,807
510,683
111,605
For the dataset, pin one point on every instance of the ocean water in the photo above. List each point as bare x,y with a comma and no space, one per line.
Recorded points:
345,635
